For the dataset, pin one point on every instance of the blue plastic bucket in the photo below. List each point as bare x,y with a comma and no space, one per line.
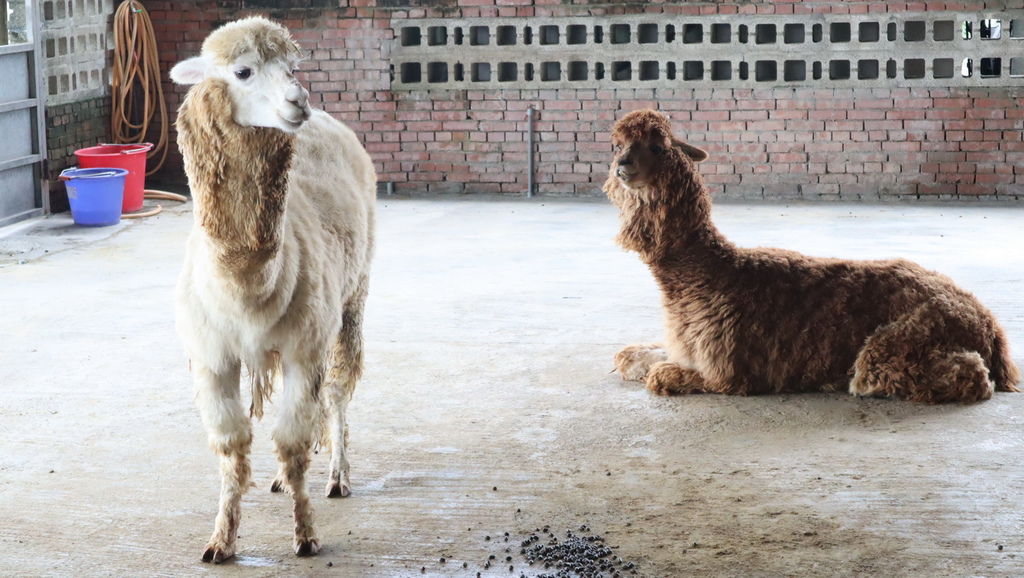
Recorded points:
95,195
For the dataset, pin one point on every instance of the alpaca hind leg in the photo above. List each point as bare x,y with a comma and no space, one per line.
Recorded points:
666,378
338,483
940,376
634,361
230,434
905,360
880,369
346,369
293,437
953,376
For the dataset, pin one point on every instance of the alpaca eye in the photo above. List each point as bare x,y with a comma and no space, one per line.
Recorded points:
656,149
243,73
618,148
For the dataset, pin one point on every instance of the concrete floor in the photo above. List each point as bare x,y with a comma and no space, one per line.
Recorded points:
487,407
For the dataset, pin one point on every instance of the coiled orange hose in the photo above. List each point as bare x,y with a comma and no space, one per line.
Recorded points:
136,89
137,68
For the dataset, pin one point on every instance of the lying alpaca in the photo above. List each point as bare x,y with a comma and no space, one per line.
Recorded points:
276,268
754,321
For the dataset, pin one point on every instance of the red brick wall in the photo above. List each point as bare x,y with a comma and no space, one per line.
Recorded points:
775,143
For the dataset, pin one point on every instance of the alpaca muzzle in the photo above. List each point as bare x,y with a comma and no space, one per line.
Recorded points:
624,175
296,110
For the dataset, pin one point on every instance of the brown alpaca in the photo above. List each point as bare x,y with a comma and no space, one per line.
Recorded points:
754,321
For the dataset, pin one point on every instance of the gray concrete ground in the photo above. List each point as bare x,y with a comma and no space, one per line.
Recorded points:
487,407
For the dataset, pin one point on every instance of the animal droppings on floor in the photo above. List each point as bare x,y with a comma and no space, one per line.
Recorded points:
579,553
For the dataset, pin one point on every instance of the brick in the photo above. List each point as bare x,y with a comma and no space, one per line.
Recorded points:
761,104
788,158
726,126
945,113
905,114
958,103
885,103
979,146
783,114
923,125
936,189
715,105
710,115
766,125
827,114
976,113
901,146
869,114
973,189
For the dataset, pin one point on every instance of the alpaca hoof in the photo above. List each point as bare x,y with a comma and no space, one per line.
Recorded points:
634,361
218,553
659,380
658,388
306,547
666,378
860,389
277,486
337,490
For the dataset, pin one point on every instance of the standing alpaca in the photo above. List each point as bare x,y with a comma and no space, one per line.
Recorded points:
754,321
276,268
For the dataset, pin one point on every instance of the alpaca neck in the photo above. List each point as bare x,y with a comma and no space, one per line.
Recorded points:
239,179
671,222
689,232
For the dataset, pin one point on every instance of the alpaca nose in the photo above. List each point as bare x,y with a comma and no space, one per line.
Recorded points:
296,94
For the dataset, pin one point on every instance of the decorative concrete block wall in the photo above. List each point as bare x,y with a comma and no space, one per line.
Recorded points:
77,36
814,99
748,51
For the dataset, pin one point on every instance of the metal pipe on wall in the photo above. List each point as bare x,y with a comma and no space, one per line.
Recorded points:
4,40
529,151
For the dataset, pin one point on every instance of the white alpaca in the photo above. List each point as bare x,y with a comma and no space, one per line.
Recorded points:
276,269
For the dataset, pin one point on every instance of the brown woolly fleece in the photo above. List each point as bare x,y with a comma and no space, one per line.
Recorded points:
238,175
756,321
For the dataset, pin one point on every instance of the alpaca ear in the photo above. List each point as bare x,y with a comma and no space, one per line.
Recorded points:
190,71
695,154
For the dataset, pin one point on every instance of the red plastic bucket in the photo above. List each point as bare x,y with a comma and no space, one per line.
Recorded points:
122,156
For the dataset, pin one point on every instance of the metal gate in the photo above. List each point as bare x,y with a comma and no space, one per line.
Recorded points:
22,117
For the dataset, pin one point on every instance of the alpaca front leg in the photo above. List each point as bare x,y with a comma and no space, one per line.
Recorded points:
293,437
666,378
230,435
634,361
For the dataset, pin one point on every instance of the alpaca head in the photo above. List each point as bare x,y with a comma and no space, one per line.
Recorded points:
645,149
255,60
